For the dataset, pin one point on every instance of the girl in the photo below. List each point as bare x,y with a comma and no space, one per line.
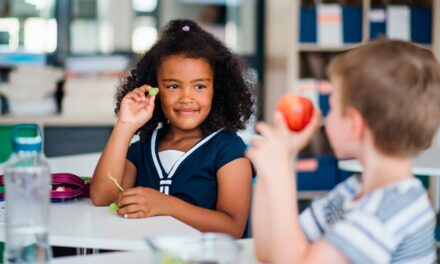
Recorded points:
189,163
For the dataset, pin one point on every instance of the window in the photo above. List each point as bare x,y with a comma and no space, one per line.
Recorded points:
144,31
27,26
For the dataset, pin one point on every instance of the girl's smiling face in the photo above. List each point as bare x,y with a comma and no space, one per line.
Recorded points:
186,91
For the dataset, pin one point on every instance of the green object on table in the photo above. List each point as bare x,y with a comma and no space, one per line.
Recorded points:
115,181
2,249
167,259
5,142
113,207
153,91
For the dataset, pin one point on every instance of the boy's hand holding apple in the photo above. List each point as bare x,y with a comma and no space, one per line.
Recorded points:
295,123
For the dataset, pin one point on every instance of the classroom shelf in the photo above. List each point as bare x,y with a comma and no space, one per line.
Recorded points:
294,66
318,48
285,54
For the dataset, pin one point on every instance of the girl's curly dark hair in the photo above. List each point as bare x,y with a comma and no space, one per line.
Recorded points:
232,103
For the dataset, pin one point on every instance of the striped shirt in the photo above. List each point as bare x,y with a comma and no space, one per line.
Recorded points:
392,224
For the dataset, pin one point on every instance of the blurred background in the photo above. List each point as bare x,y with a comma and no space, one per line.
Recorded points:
61,60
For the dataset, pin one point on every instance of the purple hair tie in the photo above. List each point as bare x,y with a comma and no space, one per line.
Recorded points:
186,28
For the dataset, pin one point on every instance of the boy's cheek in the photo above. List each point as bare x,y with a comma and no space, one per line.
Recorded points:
332,135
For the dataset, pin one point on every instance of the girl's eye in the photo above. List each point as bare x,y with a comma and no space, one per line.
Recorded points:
173,86
200,86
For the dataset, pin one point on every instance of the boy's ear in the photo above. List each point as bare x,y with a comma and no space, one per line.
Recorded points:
357,123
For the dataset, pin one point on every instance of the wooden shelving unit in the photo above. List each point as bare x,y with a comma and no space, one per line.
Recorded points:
285,54
317,48
283,49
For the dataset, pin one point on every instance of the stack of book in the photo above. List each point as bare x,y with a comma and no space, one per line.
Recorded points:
91,96
330,24
334,24
30,90
90,88
402,22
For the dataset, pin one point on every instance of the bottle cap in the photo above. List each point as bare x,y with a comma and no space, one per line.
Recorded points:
27,137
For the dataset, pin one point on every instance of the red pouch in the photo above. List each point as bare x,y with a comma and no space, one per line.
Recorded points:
65,187
68,186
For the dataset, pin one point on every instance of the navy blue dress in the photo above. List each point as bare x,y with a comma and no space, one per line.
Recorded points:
193,178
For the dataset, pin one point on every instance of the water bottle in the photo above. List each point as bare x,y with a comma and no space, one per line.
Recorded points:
27,195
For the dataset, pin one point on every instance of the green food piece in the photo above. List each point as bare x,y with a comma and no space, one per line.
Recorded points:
113,207
167,259
153,91
115,181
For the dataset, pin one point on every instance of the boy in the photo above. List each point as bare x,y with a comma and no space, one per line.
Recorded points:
385,109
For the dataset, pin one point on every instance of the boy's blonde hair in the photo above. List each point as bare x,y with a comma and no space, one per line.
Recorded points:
395,86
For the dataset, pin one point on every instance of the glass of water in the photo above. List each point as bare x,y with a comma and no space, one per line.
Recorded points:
208,248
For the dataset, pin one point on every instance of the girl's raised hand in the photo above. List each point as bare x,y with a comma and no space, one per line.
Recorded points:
141,202
137,108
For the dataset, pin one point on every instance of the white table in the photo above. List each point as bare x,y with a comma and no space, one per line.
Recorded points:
80,224
427,163
81,164
247,256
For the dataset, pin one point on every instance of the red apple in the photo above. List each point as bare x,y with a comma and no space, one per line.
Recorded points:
297,111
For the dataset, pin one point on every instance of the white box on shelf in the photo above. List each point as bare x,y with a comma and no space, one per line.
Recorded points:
398,22
309,88
329,25
92,95
36,107
91,65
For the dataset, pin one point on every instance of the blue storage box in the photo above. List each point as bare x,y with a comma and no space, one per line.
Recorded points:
421,25
343,175
437,233
377,20
352,24
317,173
325,90
307,22
324,104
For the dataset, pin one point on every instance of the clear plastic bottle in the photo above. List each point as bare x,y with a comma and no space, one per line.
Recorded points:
27,195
